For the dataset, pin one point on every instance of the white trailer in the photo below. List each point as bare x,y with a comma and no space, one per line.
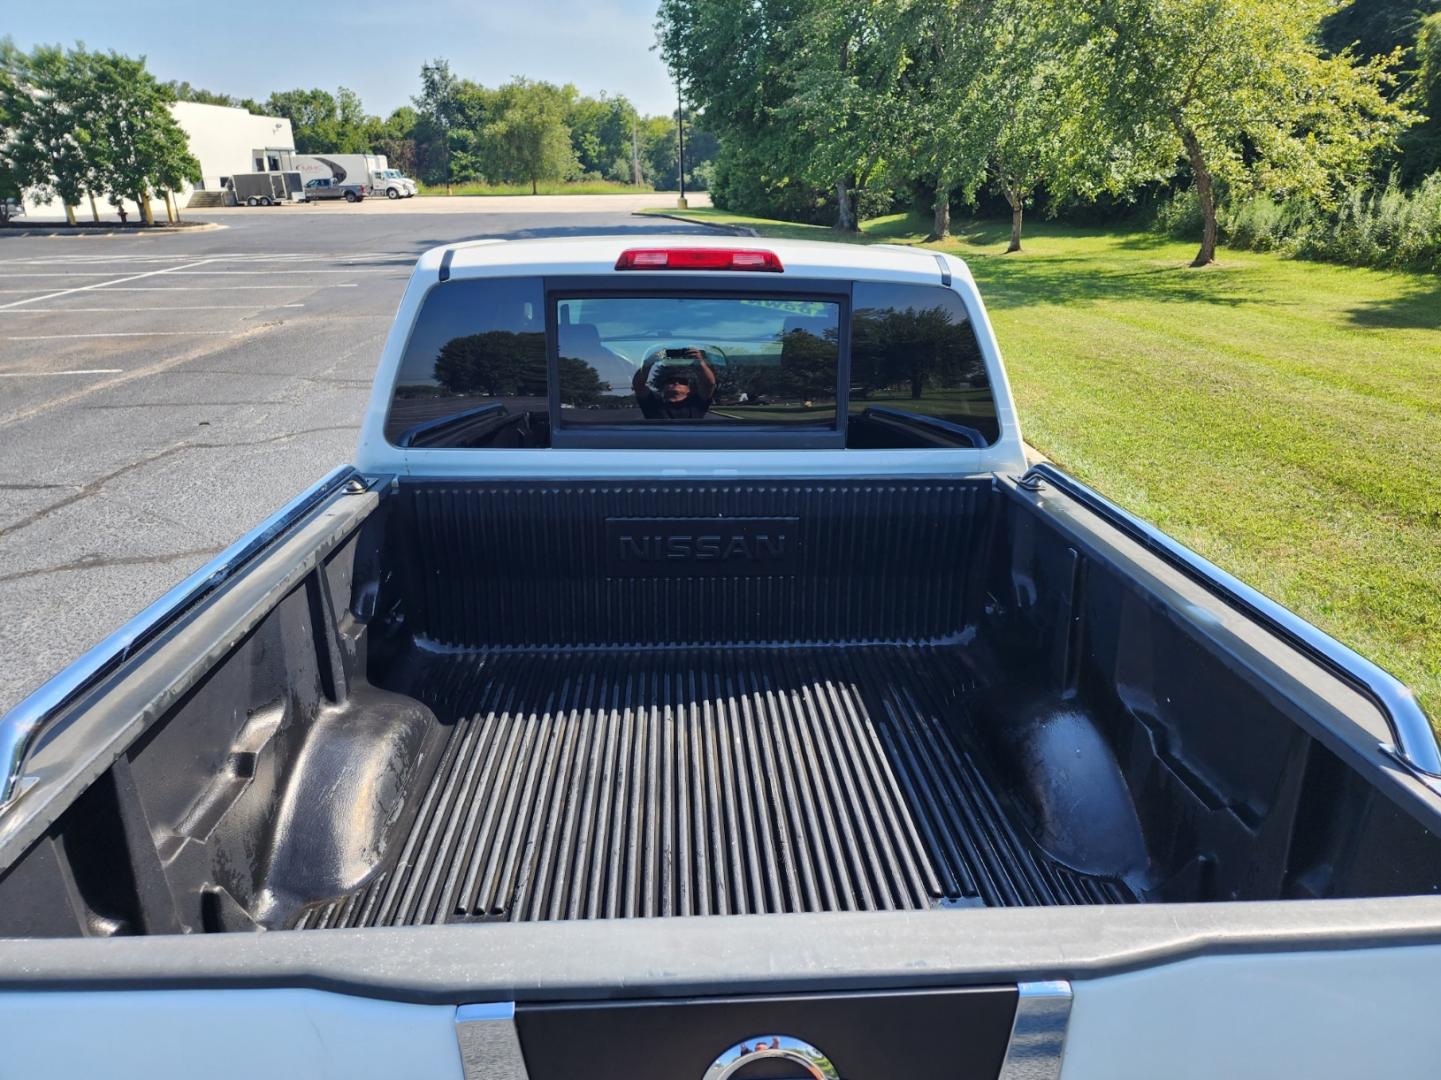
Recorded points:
371,170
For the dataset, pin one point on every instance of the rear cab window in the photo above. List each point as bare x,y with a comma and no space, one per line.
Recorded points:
532,363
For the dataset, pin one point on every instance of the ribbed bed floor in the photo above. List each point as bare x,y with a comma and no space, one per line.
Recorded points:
695,781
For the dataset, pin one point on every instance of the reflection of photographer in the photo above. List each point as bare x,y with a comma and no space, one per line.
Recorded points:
681,390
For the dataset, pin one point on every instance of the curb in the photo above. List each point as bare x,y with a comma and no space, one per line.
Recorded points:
110,231
734,230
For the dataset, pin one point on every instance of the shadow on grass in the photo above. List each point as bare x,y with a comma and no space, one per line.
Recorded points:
1076,280
1105,271
997,235
1416,307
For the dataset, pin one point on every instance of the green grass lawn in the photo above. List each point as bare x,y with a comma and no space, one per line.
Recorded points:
1281,417
585,187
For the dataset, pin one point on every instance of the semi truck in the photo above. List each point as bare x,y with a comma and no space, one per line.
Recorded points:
642,704
372,171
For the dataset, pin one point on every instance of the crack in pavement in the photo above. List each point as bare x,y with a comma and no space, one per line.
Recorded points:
336,381
96,562
96,486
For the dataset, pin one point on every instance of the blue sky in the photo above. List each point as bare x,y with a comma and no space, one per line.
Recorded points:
375,47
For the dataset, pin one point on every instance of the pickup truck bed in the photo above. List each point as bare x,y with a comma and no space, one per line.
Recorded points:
535,701
616,784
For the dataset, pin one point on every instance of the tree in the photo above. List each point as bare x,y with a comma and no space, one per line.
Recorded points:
1026,104
183,91
1421,146
1237,88
1024,151
1372,28
325,123
1428,54
9,181
788,89
471,156
580,385
736,62
913,348
144,149
500,363
312,116
807,368
52,148
395,138
436,106
529,138
600,133
9,189
355,130
945,120
841,104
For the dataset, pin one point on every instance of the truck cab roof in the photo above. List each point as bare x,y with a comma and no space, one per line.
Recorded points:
598,255
582,442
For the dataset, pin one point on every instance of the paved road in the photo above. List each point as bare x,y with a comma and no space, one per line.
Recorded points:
161,394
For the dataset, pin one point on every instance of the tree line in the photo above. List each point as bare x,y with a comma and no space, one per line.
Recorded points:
457,131
75,123
851,107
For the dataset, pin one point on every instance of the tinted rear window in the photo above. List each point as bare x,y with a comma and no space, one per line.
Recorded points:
914,354
499,363
475,368
697,359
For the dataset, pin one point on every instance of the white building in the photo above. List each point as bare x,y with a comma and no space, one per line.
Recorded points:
227,141
224,140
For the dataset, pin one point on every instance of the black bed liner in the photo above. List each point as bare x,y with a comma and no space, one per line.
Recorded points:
626,783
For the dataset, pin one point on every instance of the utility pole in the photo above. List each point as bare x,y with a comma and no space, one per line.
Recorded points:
680,133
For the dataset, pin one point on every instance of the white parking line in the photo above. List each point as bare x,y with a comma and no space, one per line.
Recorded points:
42,374
102,284
252,256
271,273
190,273
142,310
200,288
127,333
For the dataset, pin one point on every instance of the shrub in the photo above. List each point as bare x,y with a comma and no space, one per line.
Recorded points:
703,175
1393,229
742,181
1390,228
1263,224
1180,216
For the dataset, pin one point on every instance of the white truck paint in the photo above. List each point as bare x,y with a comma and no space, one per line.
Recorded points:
224,1035
1321,1016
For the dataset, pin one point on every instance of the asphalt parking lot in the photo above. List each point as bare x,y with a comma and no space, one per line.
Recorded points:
159,395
